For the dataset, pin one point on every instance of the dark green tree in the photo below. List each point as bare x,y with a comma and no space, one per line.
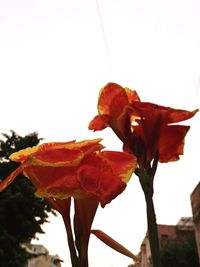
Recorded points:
180,254
21,213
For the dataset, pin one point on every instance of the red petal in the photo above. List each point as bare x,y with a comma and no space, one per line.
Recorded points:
99,123
171,142
106,185
177,115
108,95
122,163
169,115
57,182
89,178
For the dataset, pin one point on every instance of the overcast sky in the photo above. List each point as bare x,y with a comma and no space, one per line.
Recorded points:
54,58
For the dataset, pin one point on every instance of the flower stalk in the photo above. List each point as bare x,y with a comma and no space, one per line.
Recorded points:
72,249
152,230
146,181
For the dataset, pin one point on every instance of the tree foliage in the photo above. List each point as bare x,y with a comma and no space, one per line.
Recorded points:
21,213
180,254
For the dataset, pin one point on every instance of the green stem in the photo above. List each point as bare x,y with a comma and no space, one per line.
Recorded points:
152,230
146,181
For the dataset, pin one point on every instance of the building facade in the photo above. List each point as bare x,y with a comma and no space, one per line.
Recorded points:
41,257
166,234
195,203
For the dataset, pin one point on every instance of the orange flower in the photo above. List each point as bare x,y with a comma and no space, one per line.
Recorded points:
158,132
112,108
153,132
77,169
80,170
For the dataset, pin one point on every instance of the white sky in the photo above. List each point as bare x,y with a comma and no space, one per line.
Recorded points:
54,58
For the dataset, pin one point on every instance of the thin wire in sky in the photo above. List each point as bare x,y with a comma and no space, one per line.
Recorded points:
104,35
197,92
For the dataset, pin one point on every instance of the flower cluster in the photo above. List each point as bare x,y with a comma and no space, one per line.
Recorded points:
88,174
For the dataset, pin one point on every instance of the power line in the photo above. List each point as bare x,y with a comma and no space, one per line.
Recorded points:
104,34
197,92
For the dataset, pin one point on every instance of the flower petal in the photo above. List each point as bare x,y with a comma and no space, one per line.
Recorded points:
23,154
122,163
57,182
99,123
177,115
169,115
63,170
108,95
11,177
132,95
89,178
61,157
106,184
171,142
88,146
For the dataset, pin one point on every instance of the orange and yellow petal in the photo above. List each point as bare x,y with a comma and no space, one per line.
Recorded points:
58,182
132,95
57,154
57,157
89,146
23,154
108,96
45,176
122,163
61,170
11,178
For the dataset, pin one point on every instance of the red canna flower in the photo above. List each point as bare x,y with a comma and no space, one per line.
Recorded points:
151,132
74,169
80,170
146,129
157,132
